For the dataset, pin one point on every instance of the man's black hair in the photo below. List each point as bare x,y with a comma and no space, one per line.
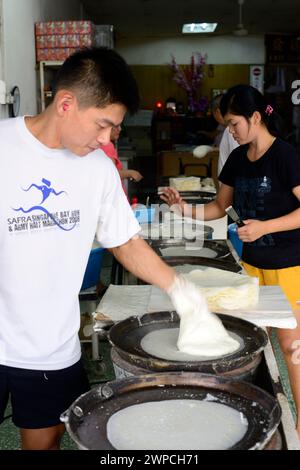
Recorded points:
98,76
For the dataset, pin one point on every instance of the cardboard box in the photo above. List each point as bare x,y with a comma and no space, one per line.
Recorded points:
69,36
56,40
54,54
63,40
63,27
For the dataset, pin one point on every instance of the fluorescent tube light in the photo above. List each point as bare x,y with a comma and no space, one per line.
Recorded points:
195,28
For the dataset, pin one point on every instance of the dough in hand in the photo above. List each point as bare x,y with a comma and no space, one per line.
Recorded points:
201,332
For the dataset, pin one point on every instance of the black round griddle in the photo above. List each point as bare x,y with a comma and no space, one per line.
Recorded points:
191,197
126,337
223,260
205,231
225,264
86,419
197,196
220,246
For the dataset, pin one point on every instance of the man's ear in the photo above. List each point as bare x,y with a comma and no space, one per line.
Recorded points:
64,102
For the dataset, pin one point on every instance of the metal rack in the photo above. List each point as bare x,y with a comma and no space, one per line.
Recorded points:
46,94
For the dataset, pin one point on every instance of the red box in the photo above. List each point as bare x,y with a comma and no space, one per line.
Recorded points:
54,53
63,40
63,27
56,40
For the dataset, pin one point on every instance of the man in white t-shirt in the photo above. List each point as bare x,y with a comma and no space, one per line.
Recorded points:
57,189
226,146
224,140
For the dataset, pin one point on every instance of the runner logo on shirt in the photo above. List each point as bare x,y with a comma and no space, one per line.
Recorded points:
46,219
45,189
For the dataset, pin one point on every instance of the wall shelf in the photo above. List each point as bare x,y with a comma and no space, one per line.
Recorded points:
45,80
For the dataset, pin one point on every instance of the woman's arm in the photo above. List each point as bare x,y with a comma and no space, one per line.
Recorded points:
255,229
216,209
212,210
135,175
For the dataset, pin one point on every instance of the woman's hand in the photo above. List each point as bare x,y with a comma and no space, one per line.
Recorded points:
172,197
132,174
252,230
135,175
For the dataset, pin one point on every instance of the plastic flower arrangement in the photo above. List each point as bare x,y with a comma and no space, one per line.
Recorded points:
189,77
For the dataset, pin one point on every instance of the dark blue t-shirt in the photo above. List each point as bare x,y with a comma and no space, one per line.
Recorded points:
263,191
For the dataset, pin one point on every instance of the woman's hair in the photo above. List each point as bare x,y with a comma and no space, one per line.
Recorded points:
98,76
244,100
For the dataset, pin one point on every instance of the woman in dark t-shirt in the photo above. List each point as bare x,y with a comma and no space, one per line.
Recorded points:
261,179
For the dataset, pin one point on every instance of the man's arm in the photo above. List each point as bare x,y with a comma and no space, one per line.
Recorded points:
140,259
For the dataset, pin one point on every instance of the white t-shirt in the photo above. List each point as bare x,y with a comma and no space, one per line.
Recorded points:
52,203
227,144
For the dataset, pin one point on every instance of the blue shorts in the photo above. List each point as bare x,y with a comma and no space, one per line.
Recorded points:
39,397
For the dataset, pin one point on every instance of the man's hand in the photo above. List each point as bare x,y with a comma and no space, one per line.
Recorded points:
201,332
187,299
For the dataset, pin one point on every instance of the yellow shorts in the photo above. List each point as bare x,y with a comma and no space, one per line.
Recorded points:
287,278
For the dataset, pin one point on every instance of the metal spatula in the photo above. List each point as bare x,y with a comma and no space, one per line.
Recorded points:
234,215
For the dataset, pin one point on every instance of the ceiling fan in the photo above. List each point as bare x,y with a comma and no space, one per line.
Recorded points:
240,29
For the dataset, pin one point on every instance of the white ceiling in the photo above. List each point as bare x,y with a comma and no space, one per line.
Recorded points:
164,18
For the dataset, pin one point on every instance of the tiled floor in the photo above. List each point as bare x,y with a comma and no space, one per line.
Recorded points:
283,372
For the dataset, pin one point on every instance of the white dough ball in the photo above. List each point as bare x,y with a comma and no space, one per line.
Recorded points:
201,151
